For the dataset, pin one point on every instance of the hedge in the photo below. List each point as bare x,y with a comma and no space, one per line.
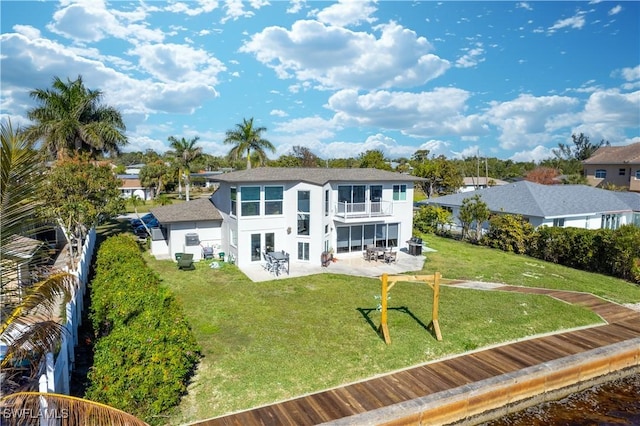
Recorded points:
606,251
145,351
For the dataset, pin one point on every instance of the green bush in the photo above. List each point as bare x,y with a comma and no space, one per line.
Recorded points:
509,233
146,352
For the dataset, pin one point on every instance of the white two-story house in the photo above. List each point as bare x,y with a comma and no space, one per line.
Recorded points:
308,211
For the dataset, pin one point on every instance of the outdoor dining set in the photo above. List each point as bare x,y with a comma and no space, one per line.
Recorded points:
386,254
276,262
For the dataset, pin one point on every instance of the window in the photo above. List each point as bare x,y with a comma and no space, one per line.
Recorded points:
621,172
558,222
353,196
273,196
601,174
255,247
233,236
399,192
269,241
610,221
357,237
638,174
375,197
250,197
234,197
326,202
304,210
303,251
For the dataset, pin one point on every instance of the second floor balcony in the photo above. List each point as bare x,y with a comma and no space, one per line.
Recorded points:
368,209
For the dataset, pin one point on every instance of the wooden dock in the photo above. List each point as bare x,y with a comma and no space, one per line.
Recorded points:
470,384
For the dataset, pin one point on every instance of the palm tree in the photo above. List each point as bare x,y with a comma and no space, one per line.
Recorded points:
71,118
246,139
185,152
29,326
71,410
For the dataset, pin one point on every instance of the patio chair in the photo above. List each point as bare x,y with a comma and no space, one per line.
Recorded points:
390,256
370,254
186,262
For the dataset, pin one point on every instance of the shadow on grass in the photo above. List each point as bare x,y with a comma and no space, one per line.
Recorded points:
365,312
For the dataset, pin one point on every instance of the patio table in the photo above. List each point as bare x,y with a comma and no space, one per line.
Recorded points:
281,258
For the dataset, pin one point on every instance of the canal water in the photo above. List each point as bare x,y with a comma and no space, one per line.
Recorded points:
611,403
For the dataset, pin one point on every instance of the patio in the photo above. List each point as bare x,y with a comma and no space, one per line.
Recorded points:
348,264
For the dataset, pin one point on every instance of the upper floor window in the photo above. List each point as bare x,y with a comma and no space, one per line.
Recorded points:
601,173
304,212
273,196
638,174
234,197
250,200
375,193
621,172
326,202
399,192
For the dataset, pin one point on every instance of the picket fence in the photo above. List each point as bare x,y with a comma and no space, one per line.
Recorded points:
57,372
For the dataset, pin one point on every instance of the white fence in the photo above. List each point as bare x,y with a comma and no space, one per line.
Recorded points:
58,373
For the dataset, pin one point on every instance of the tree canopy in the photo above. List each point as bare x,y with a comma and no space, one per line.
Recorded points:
247,139
71,118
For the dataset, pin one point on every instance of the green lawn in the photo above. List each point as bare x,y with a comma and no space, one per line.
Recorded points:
264,342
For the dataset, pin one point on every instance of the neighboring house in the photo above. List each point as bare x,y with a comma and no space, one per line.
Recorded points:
615,165
186,228
131,186
18,256
134,169
579,206
208,180
308,211
473,183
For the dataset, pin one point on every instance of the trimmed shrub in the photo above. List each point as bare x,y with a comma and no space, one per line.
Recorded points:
508,233
145,352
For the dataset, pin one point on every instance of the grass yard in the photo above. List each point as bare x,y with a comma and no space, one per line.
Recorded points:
269,341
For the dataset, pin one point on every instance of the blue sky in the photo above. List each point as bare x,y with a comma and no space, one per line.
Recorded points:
502,79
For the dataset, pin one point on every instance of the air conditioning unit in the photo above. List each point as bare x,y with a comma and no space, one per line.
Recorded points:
191,239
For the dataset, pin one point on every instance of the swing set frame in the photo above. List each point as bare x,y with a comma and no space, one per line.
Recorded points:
388,281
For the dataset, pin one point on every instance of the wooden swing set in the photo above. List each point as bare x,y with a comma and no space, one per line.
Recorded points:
433,281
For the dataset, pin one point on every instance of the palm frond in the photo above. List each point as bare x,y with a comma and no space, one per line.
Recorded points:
69,410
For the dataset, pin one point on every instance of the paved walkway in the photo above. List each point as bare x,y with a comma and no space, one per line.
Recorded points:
465,386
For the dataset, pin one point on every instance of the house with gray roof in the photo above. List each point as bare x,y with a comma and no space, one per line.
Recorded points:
308,211
189,227
614,165
578,206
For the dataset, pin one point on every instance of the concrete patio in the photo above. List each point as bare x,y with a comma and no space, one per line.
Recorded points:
348,264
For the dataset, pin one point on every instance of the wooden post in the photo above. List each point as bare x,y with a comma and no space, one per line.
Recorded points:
389,282
434,308
384,328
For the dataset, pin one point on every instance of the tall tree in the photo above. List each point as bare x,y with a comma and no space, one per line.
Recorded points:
442,176
473,210
543,175
373,159
27,336
186,152
81,194
246,139
155,174
582,149
71,118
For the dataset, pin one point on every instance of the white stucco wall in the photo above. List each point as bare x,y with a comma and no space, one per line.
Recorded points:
209,234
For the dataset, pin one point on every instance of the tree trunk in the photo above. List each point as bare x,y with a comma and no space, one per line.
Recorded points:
248,159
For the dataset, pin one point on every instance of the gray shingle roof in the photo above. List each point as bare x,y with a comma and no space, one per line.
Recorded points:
628,154
318,176
191,211
535,200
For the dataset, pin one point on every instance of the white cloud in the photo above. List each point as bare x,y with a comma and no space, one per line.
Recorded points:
235,9
524,5
536,154
339,58
575,22
178,63
472,57
278,113
615,10
203,6
424,114
347,12
90,21
27,31
527,120
611,108
631,74
296,6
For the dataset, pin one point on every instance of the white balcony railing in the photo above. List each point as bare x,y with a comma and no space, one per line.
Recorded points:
363,210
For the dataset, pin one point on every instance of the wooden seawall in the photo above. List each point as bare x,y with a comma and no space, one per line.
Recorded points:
472,387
